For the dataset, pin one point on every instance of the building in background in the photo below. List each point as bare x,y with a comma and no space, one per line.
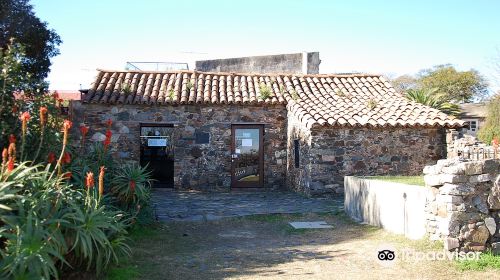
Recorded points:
295,63
475,115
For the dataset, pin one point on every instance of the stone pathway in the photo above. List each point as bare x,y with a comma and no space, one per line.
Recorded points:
194,206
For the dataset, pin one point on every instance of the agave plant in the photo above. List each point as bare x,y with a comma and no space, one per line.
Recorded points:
433,99
131,185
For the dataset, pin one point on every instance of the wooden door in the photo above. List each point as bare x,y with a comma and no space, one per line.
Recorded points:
247,156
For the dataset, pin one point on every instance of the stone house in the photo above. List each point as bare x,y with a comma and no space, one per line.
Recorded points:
221,131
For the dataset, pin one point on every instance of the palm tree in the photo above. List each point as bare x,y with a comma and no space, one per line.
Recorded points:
433,99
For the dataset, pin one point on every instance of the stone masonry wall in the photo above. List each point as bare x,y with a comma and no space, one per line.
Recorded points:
197,166
298,179
463,209
339,152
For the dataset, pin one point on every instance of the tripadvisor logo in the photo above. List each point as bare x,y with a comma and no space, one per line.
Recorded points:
386,255
412,255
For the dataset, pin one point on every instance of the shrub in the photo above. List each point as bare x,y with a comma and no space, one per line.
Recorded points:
131,185
491,129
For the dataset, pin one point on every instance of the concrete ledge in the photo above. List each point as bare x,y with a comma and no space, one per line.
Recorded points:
398,208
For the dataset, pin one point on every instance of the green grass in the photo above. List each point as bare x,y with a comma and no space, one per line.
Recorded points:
408,180
123,272
486,260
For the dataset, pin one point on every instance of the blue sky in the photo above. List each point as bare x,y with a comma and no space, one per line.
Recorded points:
386,37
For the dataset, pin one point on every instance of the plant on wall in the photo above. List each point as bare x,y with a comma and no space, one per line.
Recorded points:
126,89
265,91
294,94
372,104
189,86
171,95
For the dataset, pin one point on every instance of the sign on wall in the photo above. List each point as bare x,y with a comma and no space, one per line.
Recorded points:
157,142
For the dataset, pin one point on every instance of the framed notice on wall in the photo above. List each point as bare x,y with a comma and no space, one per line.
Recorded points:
157,142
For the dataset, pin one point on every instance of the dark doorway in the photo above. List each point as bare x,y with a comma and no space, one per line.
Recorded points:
157,152
247,156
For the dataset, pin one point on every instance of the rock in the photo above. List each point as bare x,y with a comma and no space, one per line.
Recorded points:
432,170
457,169
491,166
490,225
452,189
480,204
480,235
495,248
451,243
471,246
493,202
316,185
479,178
98,137
474,167
124,130
437,180
455,199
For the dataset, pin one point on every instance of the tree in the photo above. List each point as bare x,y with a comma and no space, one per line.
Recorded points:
491,129
457,86
433,99
403,83
18,21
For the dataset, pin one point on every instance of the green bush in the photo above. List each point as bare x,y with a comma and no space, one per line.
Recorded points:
131,185
491,129
49,226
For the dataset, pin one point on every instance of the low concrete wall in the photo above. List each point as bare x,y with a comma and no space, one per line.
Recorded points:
398,208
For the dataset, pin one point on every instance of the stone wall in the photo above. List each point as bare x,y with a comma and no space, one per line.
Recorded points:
298,178
197,166
463,209
296,63
338,152
467,146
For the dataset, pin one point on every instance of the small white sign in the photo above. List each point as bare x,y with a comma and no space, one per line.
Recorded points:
237,151
157,142
246,142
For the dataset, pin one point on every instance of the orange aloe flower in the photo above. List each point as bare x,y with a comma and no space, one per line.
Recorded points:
67,175
84,130
495,142
89,180
5,155
107,141
12,149
43,115
51,158
132,186
101,180
10,164
66,127
66,158
25,117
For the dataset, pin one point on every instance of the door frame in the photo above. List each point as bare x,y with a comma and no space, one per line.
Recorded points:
242,184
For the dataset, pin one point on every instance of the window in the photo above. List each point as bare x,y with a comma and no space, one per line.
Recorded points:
296,152
473,125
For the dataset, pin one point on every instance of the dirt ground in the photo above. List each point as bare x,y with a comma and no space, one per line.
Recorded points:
266,247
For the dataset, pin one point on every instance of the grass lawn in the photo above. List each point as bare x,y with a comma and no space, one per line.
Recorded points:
265,246
409,180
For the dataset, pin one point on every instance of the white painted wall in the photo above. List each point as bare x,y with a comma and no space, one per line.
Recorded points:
398,208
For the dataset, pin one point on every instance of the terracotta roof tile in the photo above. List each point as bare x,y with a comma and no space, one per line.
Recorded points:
337,100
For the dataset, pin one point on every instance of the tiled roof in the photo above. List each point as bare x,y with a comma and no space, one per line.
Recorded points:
338,100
